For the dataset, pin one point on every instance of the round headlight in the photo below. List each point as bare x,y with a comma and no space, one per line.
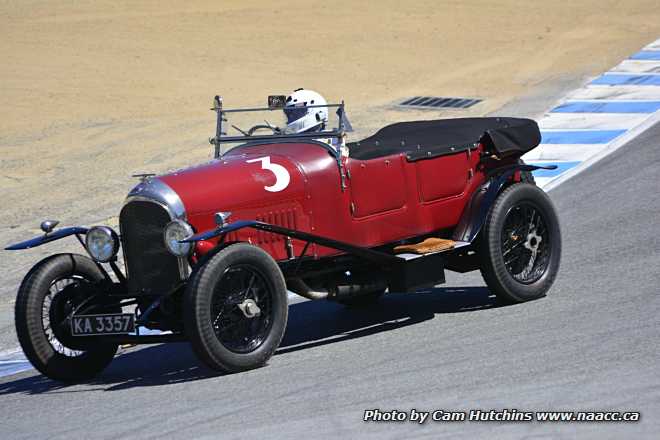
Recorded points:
102,243
178,230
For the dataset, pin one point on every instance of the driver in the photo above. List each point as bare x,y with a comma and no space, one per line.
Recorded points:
300,118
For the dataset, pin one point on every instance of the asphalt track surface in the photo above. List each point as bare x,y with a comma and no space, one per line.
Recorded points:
591,344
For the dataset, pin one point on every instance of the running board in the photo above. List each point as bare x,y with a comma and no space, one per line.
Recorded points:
428,246
412,256
418,271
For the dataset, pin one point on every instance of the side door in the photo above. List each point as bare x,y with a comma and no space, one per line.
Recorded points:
443,177
377,185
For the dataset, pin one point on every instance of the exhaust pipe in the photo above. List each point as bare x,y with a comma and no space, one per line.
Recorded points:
299,287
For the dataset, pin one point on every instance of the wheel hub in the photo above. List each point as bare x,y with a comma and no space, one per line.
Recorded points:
249,308
242,306
533,241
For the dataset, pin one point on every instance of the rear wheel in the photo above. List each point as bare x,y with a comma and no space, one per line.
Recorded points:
236,309
521,244
48,295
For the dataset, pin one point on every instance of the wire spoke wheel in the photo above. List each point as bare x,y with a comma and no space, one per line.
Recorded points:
58,303
236,308
520,247
47,298
241,308
525,243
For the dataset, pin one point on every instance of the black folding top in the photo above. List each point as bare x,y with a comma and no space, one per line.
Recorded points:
426,139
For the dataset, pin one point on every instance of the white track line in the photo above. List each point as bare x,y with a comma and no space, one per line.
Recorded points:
570,121
563,152
13,362
625,93
638,66
653,46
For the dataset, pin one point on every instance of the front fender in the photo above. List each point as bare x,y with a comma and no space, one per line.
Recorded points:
47,238
475,213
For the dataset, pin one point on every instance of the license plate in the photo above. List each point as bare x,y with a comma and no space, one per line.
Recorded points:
111,324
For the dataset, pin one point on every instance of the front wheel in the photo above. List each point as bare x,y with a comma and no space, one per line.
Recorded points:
48,295
236,309
521,244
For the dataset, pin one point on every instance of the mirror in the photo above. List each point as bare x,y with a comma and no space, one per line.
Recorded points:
276,101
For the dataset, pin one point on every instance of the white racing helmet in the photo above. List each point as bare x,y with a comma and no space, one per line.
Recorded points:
300,118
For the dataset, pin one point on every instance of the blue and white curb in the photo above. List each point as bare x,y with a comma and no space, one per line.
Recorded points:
13,362
597,119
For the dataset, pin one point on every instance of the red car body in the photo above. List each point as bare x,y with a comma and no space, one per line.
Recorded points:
385,199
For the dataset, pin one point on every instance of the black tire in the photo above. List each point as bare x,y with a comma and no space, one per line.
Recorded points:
49,356
520,261
215,290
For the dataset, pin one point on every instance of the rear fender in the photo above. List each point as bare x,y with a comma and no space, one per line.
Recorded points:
475,213
47,238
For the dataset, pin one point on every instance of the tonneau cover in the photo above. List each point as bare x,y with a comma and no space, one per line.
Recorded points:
426,139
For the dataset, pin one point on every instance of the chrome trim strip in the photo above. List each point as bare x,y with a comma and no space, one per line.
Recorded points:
156,191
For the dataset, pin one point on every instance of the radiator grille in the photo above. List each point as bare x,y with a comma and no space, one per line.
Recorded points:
151,269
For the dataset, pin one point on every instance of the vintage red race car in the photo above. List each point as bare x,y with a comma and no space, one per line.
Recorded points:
210,251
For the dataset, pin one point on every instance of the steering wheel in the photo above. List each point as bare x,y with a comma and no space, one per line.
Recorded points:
274,130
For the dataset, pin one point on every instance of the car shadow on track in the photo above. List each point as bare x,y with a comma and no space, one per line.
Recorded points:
316,323
311,324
